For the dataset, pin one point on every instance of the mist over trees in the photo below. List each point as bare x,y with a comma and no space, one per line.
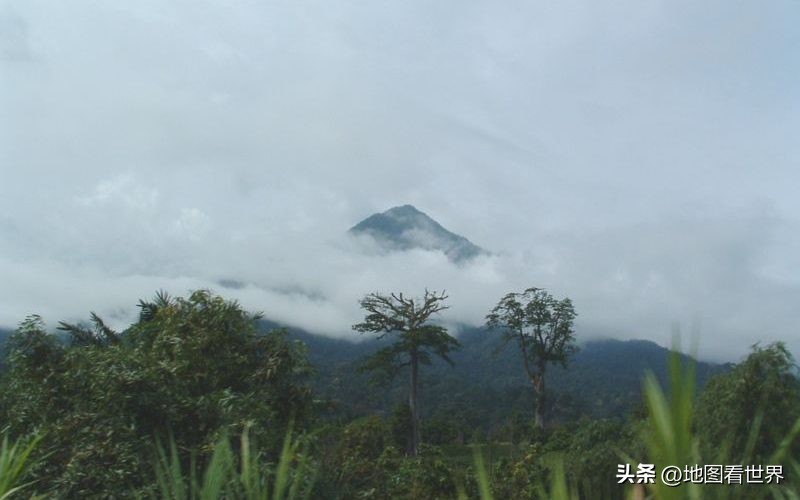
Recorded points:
196,399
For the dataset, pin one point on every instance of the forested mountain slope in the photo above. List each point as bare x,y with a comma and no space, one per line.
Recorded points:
487,383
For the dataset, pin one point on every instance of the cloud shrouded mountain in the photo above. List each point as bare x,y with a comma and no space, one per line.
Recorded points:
405,228
231,148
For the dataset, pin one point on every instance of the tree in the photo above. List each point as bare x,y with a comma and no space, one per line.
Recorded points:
407,319
762,389
189,370
542,329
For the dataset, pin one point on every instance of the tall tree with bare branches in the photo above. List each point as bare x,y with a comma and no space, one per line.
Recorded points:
542,328
407,320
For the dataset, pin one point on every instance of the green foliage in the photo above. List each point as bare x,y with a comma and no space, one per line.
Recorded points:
362,450
484,489
590,451
193,371
399,424
31,394
542,328
291,477
445,428
671,439
484,390
194,368
519,477
98,334
407,319
541,324
15,464
425,476
524,478
364,463
761,388
669,436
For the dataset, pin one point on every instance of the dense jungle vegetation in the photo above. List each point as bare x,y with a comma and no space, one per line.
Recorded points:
201,399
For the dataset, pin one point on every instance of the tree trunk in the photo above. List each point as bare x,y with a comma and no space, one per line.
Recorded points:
538,401
412,404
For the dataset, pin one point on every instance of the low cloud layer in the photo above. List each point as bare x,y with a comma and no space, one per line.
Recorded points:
638,157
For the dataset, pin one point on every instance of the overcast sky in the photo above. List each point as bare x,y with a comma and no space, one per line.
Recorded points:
640,157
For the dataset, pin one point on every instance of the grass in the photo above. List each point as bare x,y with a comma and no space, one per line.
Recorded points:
289,479
669,437
244,474
15,463
557,489
670,440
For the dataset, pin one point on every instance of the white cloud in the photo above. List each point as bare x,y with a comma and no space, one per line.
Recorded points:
638,156
121,189
192,223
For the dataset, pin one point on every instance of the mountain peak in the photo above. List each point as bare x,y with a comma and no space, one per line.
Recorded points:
403,210
405,227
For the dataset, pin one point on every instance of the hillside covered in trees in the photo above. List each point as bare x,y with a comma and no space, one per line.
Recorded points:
199,398
485,383
465,223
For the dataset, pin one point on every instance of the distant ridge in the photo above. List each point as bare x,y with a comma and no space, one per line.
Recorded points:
405,228
603,379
